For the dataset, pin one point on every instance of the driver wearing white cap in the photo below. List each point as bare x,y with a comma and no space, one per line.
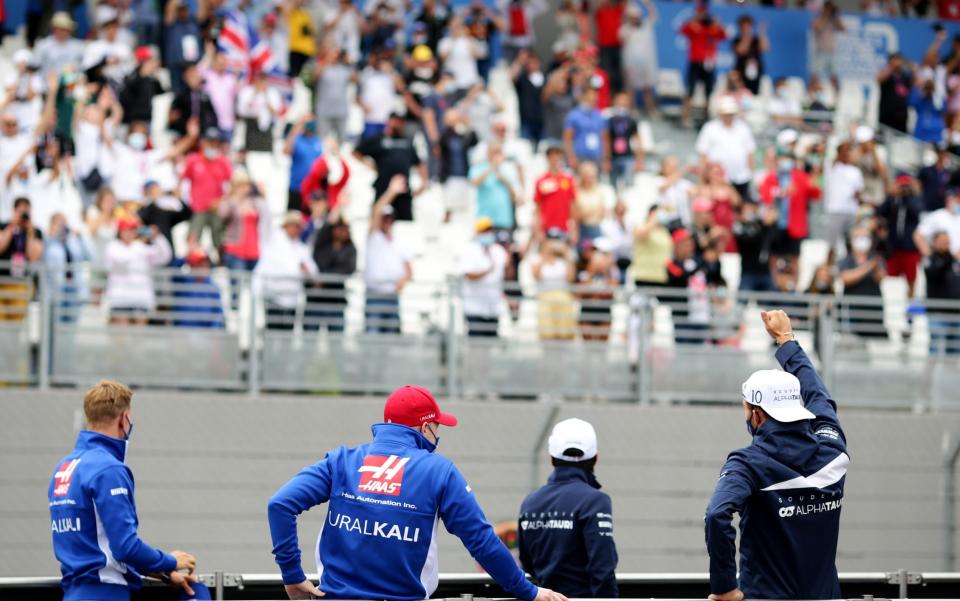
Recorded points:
787,485
566,527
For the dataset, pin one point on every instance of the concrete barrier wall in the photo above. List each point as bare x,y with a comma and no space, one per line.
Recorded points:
206,464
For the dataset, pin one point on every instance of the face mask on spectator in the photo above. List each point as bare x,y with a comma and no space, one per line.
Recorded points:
137,140
424,72
785,164
955,209
211,153
487,239
536,78
862,244
664,218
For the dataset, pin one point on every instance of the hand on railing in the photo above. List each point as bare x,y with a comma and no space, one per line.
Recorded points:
304,590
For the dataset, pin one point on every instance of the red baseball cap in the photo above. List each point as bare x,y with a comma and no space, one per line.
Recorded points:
143,53
679,235
413,406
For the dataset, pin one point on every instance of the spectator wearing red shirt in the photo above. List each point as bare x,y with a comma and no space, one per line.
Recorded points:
792,204
554,195
607,21
328,176
208,173
703,34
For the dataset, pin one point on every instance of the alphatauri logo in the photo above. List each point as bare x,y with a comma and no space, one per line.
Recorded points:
382,475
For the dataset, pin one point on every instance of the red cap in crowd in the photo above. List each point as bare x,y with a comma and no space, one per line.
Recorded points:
413,406
143,53
127,223
679,235
904,180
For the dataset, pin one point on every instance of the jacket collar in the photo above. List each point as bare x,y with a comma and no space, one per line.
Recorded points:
567,473
404,436
87,440
785,438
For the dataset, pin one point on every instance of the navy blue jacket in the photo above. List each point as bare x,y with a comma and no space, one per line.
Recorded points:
788,489
566,536
94,523
379,540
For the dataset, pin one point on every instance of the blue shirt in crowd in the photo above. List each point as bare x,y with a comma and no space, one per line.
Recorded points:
588,126
493,197
306,149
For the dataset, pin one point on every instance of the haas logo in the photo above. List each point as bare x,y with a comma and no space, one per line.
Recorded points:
382,475
62,478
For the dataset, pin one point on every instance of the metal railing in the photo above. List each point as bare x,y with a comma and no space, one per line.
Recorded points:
233,331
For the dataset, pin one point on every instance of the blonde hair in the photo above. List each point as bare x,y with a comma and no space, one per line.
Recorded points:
105,401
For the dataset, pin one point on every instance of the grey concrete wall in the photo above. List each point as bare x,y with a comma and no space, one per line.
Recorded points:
206,464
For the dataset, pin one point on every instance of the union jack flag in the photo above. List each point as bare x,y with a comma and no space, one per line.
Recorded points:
247,53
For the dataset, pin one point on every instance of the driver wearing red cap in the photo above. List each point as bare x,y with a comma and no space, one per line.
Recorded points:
386,500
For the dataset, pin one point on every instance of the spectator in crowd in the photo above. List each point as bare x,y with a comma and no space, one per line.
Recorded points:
673,193
23,88
140,88
455,143
328,177
196,298
866,157
377,95
749,46
130,260
181,43
652,249
483,266
304,147
283,265
482,23
557,104
336,257
784,109
861,272
65,252
844,185
589,75
459,52
59,52
825,27
222,87
93,165
896,83
101,221
135,163
245,215
608,18
585,133
333,77
900,212
704,34
497,188
20,243
162,209
17,163
755,235
934,179
430,24
728,142
303,44
596,280
111,52
208,172
393,153
554,272
592,202
519,30
942,270
930,111
259,105
387,269
342,27
946,220
787,193
529,81
626,148
691,315
721,199
192,105
554,194
640,54
615,229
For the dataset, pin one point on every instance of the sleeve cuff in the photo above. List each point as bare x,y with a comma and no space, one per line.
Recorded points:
722,584
530,591
293,575
786,350
169,563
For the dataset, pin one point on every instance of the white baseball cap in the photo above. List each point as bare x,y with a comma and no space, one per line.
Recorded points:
787,137
777,393
863,133
727,105
573,434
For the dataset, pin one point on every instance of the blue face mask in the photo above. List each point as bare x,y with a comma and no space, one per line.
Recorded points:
436,436
129,432
486,239
750,429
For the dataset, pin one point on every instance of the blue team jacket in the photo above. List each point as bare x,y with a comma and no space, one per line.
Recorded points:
379,540
94,523
566,536
788,489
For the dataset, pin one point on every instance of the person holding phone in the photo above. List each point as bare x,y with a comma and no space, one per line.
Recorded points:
20,243
130,260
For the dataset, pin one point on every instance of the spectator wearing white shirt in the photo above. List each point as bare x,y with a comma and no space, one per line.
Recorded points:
135,164
342,26
59,52
727,140
259,105
16,163
113,48
94,164
673,194
387,269
844,183
24,87
459,52
279,273
946,220
483,266
378,95
616,232
784,109
130,260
